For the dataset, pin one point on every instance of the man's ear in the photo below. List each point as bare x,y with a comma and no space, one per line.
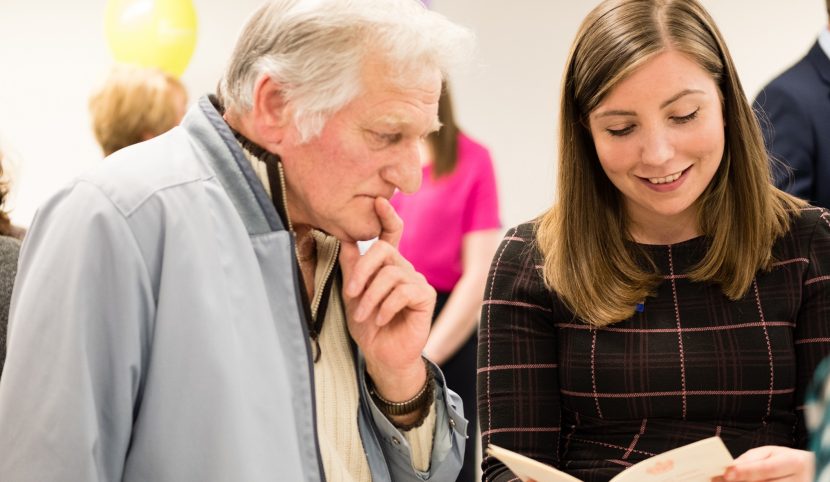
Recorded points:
271,114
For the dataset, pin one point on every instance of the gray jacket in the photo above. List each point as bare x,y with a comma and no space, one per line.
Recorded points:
156,332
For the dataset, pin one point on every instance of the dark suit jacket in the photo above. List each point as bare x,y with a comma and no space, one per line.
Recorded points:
797,104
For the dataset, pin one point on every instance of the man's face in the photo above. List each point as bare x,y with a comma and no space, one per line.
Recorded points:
369,148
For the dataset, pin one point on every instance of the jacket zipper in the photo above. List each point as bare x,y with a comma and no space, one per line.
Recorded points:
304,325
318,297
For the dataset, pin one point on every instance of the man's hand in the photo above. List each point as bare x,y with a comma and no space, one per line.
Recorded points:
389,309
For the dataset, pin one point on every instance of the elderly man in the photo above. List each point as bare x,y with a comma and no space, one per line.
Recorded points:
197,309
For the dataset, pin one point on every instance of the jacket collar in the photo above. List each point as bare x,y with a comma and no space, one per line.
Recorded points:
255,153
820,61
223,154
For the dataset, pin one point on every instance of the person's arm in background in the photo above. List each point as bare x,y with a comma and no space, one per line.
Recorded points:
458,319
481,227
788,135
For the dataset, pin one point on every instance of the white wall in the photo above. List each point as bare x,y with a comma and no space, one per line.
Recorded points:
52,54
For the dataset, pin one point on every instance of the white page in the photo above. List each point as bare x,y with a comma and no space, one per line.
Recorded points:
697,462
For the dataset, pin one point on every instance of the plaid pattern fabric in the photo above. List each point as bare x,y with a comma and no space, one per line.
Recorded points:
690,365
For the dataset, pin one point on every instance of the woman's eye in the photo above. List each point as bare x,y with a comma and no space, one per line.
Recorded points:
686,118
620,132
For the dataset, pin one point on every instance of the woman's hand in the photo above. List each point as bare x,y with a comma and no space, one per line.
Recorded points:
772,462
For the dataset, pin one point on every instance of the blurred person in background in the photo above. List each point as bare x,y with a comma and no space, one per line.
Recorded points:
135,104
794,111
451,231
10,236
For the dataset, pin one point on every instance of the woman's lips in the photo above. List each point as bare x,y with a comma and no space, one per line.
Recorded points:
667,183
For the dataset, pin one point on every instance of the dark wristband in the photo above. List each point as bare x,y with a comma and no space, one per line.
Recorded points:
420,402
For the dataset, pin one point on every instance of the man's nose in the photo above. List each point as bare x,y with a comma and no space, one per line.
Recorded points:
405,171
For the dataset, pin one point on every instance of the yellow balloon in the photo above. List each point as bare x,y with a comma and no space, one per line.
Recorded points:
152,33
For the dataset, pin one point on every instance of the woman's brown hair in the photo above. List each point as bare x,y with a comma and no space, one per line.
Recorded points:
583,236
444,142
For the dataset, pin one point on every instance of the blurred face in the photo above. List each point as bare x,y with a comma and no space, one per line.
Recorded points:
659,136
369,148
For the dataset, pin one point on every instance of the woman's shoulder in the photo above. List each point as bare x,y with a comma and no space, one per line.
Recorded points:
809,228
806,219
9,252
520,245
518,263
524,232
9,246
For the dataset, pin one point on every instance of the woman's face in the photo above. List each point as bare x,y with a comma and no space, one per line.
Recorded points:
659,136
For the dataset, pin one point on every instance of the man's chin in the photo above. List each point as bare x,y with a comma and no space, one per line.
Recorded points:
364,227
354,234
366,233
359,238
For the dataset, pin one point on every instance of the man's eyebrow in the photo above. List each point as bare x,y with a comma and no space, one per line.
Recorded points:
391,119
436,126
397,122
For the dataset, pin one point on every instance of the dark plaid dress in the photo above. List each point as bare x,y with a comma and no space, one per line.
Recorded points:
691,365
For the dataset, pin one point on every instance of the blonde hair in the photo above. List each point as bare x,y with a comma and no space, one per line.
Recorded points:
583,237
133,105
316,50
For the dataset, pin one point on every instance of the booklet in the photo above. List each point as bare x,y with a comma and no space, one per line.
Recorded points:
697,462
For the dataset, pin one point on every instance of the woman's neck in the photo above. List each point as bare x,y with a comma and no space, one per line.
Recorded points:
666,230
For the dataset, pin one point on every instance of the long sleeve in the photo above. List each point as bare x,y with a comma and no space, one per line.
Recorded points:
448,439
78,335
812,331
518,389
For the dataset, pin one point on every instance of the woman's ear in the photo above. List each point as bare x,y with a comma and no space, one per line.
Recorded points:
271,115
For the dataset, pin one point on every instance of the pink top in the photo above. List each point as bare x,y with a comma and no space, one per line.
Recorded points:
437,217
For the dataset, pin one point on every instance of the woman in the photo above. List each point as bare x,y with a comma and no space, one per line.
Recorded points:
135,104
452,230
10,236
671,293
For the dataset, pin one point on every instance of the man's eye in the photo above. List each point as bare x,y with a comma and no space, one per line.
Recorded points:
388,138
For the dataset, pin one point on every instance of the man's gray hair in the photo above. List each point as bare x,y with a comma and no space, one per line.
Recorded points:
316,49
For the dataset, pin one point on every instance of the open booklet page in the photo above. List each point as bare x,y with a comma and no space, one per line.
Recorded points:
697,462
